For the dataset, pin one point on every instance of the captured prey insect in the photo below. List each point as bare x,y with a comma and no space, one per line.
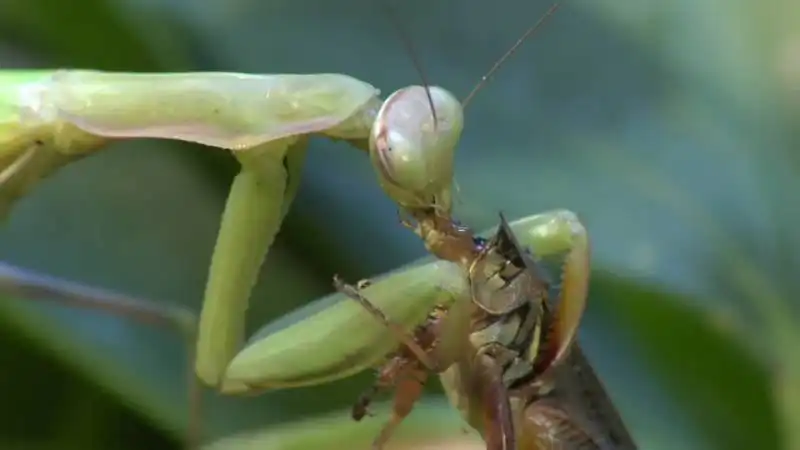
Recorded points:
557,401
502,353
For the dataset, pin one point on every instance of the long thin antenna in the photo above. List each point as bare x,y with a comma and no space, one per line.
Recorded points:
407,43
514,48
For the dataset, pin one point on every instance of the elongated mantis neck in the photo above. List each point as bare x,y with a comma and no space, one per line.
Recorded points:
446,238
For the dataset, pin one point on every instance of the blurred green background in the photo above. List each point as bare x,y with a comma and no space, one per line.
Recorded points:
671,128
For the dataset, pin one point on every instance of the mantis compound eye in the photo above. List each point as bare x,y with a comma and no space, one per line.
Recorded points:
412,154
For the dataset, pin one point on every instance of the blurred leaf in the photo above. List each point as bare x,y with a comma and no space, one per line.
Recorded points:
112,41
432,424
78,414
717,382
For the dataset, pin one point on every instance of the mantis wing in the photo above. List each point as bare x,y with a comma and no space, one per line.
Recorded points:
49,118
226,110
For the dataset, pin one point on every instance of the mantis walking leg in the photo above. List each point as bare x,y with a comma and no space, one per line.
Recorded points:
249,225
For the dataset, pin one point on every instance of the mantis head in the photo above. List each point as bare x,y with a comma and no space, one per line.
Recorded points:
412,143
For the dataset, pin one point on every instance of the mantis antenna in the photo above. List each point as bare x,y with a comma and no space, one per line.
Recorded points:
408,44
534,28
414,160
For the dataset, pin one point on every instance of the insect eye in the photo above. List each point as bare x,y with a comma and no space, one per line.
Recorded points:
413,158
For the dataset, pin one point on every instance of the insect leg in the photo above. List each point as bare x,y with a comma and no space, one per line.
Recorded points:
547,426
487,381
408,389
388,377
407,375
399,332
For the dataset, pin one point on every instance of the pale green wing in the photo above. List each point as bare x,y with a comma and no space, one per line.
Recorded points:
49,118
225,110
341,338
28,151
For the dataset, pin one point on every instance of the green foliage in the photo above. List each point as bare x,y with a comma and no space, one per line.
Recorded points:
669,127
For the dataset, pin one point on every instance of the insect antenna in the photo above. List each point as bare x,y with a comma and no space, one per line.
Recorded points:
407,43
530,31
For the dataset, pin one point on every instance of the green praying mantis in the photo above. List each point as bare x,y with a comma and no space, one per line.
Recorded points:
51,118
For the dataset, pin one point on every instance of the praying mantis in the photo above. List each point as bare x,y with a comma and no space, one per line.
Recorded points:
55,117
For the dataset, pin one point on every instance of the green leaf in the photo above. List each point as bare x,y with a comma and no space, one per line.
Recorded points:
718,384
433,424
